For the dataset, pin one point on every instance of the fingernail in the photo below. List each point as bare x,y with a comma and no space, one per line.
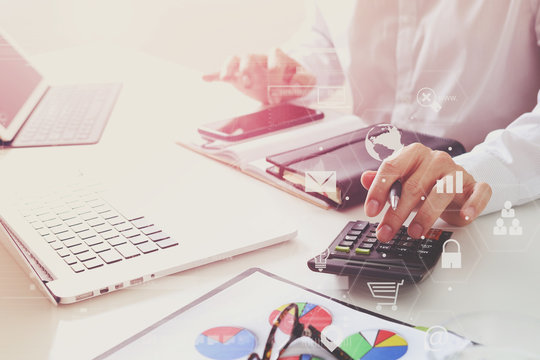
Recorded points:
468,213
416,230
372,207
385,233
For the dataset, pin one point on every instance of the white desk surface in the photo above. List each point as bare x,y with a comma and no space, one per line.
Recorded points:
160,99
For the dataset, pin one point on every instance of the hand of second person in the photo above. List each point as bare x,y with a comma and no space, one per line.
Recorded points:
271,79
418,167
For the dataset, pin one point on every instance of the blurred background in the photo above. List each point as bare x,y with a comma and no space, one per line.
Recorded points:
198,34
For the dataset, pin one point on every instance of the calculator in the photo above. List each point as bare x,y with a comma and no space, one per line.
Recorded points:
356,251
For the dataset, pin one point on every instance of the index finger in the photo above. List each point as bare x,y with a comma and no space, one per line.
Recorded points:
394,168
211,76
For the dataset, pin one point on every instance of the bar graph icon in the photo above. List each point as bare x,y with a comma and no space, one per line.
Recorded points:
446,184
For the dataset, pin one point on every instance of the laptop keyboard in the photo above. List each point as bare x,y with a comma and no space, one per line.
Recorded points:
88,233
69,115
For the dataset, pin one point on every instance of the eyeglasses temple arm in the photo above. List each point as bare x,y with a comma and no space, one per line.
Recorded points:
328,344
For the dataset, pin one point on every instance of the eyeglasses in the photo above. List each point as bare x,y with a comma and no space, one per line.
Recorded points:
298,330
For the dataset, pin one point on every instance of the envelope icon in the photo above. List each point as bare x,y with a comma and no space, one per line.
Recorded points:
320,181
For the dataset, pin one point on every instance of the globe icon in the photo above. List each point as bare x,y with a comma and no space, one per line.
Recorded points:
382,141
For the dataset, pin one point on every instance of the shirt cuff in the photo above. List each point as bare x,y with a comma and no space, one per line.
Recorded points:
485,167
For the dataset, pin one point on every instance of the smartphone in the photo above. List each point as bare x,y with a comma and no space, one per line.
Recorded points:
261,122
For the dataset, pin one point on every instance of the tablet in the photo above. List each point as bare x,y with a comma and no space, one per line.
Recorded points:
21,88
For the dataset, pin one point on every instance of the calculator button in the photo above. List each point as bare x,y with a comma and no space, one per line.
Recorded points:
349,237
361,225
343,249
354,232
366,245
434,234
346,243
370,240
361,251
384,247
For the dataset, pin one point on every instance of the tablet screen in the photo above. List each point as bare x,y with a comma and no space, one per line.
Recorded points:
18,80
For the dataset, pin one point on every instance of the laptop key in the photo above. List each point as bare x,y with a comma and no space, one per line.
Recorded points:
159,236
109,215
93,241
150,230
73,221
166,243
127,250
80,228
139,239
66,235
95,222
43,231
63,252
103,228
78,249
123,227
37,225
77,267
110,234
101,247
141,223
147,247
110,256
116,220
92,264
119,240
131,233
56,245
59,229
89,216
70,260
86,234
85,256
68,216
49,238
72,242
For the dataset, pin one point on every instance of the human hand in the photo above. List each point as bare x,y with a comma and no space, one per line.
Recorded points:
253,74
418,167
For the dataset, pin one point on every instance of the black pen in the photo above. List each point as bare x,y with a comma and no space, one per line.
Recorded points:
395,193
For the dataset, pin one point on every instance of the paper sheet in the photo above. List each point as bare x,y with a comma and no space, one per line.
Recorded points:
248,304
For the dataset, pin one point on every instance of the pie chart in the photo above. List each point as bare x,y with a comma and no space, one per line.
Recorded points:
309,314
300,357
374,345
225,343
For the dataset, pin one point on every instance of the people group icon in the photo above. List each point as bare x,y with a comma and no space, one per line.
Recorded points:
500,228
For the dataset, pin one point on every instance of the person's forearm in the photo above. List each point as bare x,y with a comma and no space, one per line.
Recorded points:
509,161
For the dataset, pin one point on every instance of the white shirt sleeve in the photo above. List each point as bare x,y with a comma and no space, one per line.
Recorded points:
312,47
509,161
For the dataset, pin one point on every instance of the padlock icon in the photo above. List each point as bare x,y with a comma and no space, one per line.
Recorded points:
451,260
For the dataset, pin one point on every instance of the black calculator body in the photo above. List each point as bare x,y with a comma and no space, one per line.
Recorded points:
356,251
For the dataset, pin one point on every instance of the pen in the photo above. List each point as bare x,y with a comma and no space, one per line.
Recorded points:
395,193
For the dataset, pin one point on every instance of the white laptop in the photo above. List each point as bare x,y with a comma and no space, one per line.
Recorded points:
83,240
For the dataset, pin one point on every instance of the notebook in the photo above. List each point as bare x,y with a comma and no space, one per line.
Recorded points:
344,157
281,159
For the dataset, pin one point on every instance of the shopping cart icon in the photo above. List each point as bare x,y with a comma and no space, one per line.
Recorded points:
385,290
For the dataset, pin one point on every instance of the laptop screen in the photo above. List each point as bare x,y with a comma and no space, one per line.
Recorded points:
18,79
